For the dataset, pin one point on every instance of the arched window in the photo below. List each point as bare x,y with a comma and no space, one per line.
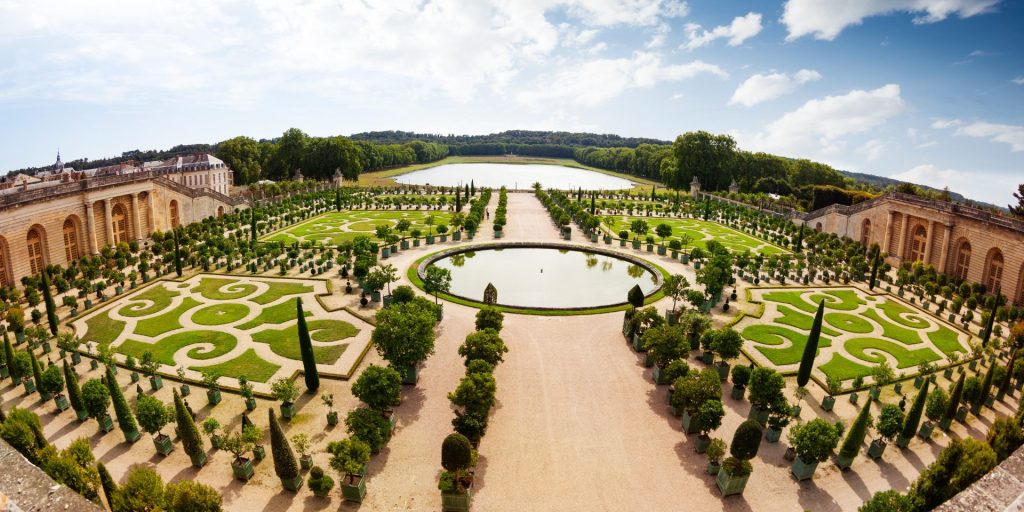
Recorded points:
71,250
865,232
918,244
220,211
119,223
994,271
5,277
34,241
175,219
817,227
963,260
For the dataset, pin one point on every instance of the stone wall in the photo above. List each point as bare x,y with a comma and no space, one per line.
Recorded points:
28,488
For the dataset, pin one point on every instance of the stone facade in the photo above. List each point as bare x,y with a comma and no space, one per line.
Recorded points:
58,224
23,486
968,243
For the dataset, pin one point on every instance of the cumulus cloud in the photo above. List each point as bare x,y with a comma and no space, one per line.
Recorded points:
992,187
592,82
825,19
760,88
819,126
741,29
996,132
1019,80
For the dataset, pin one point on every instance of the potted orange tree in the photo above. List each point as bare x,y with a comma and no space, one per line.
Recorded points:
349,458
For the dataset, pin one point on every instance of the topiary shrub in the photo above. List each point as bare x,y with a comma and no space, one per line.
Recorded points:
745,444
456,453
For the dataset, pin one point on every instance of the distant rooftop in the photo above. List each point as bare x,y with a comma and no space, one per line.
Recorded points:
23,486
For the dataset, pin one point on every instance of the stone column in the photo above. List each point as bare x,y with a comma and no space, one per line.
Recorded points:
943,257
929,240
108,222
901,249
151,220
90,228
887,240
136,225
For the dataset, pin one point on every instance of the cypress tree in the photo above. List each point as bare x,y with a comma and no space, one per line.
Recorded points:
306,348
252,228
468,195
799,244
191,441
337,200
37,374
51,307
177,253
858,430
458,199
109,487
8,353
284,458
991,322
811,349
472,187
74,392
913,418
593,207
125,418
1004,386
954,401
874,271
986,385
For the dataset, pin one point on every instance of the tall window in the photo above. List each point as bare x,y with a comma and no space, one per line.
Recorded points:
4,277
71,241
994,274
35,251
175,219
865,232
119,223
918,244
963,260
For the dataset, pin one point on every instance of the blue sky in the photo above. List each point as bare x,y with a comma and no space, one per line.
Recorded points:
924,90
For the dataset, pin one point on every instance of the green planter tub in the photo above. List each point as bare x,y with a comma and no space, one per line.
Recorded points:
802,470
213,396
412,375
925,432
457,501
353,492
292,484
690,426
828,403
843,462
730,485
163,444
287,410
242,469
876,449
738,392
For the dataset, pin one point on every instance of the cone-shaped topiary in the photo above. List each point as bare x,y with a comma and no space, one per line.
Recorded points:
803,376
74,392
125,418
37,374
51,306
9,354
989,325
1004,386
874,270
109,487
986,385
306,348
456,453
177,252
285,465
635,296
954,400
913,418
858,431
188,432
252,226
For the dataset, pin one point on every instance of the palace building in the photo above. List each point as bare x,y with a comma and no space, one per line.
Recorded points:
968,243
58,216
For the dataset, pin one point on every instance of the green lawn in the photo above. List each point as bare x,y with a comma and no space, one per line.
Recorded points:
285,342
771,334
893,331
277,314
210,287
947,340
160,296
905,357
102,329
849,323
841,368
163,350
280,289
249,365
902,315
336,227
697,233
166,322
220,314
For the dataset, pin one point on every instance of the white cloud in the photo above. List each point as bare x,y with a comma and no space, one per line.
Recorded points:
1019,80
992,187
741,29
760,88
659,37
825,19
996,132
597,48
818,128
873,149
678,96
592,82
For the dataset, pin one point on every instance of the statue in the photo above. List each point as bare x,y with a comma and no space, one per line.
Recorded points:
490,295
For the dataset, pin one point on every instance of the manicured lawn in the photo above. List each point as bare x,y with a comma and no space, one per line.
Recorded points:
220,314
210,287
893,331
839,367
905,358
102,329
335,227
163,350
902,315
285,342
159,296
166,322
770,334
697,233
947,340
849,323
249,364
280,289
277,314
801,321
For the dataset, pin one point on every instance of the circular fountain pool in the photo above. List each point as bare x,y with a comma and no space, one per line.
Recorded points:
545,276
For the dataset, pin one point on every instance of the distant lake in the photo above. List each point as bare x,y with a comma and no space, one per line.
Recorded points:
521,176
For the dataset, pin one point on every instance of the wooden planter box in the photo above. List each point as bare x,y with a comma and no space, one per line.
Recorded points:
213,396
457,502
843,462
876,449
801,470
772,435
412,375
828,403
332,418
287,410
163,444
730,485
198,460
106,423
242,469
354,492
156,383
738,392
925,432
690,426
292,484
61,402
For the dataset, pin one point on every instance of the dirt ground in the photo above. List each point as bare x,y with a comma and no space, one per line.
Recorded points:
578,425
